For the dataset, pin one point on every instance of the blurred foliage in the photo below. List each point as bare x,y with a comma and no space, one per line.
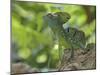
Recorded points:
35,41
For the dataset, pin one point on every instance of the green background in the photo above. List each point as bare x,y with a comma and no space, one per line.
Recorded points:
33,41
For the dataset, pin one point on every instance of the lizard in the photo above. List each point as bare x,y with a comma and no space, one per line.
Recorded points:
70,38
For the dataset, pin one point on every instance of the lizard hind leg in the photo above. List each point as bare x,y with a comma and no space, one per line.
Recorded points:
71,55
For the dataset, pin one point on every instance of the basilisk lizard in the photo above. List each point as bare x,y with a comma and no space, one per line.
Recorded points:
70,38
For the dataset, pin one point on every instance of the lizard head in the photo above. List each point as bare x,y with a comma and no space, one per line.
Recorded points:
63,17
57,18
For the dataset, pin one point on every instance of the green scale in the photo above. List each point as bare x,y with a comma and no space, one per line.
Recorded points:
71,38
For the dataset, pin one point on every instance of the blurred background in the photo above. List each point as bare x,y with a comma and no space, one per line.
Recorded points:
32,41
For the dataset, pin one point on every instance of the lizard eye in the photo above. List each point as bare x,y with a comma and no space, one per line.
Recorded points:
49,15
67,18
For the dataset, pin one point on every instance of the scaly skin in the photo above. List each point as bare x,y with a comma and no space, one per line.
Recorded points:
70,38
